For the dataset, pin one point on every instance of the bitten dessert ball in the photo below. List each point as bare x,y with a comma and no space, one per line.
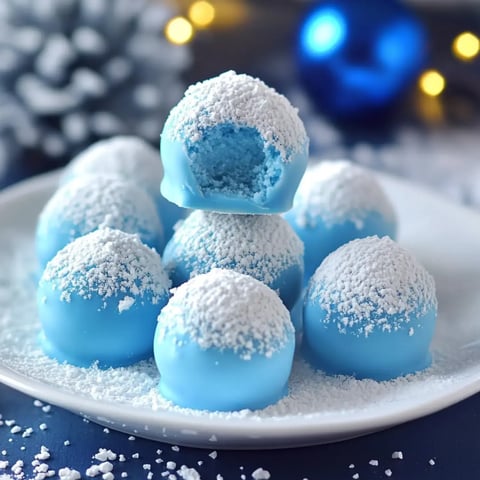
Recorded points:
336,202
90,202
262,246
224,342
133,159
370,311
233,144
99,298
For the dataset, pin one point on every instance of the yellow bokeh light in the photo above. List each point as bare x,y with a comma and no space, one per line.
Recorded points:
432,83
179,31
466,46
201,13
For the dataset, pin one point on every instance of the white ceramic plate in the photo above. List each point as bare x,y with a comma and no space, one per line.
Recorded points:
446,239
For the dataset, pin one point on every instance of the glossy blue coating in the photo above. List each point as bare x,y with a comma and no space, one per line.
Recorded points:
169,214
321,239
288,282
382,355
356,58
211,379
87,330
230,170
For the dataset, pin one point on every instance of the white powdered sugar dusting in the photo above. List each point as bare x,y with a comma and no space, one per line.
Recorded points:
374,283
339,191
244,101
227,310
91,202
312,394
258,245
109,263
131,158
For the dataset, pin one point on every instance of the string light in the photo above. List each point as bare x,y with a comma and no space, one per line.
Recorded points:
466,46
432,83
201,13
179,31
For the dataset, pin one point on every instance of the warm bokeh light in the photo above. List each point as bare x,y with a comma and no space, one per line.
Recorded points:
201,13
432,83
179,31
466,46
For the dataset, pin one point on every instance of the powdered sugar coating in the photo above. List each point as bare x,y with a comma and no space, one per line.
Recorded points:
108,263
227,310
258,245
339,191
90,202
129,157
244,101
372,283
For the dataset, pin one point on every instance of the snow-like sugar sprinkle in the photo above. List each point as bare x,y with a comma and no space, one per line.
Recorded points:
109,263
129,157
258,245
244,101
125,304
339,191
261,474
90,202
227,310
374,283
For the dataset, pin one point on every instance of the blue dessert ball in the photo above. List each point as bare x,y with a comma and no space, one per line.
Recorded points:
338,201
224,342
370,311
233,144
133,159
263,246
99,298
90,202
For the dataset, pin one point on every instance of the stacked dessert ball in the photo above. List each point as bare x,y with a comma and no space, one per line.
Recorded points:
235,151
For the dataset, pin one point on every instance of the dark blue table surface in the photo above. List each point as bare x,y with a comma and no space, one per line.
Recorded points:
444,445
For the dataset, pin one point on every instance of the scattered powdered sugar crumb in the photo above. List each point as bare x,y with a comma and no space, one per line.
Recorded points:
262,246
125,304
431,462
68,474
261,474
188,473
388,472
97,201
369,280
227,310
107,262
339,191
244,101
213,454
355,476
373,463
397,455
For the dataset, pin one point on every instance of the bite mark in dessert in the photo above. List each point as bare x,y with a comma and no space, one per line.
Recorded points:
233,144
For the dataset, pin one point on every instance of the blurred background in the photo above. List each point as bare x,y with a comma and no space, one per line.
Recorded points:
392,85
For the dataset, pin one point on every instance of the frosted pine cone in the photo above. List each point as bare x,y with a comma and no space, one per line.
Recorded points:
75,71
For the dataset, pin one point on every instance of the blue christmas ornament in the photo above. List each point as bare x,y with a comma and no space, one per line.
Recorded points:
355,58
